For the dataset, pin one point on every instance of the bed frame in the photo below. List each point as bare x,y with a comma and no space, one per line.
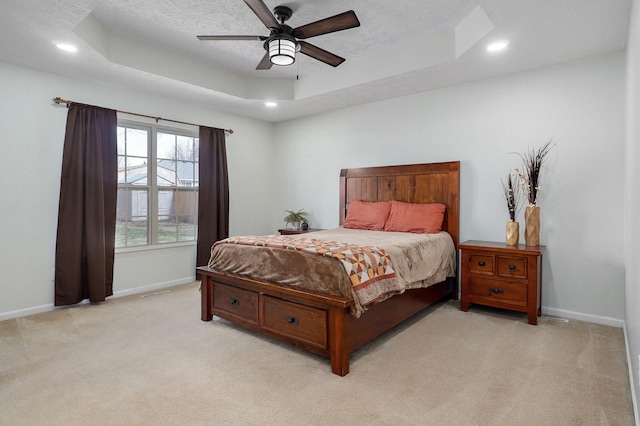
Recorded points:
321,323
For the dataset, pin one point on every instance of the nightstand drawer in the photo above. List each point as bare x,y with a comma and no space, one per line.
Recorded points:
512,293
480,263
515,267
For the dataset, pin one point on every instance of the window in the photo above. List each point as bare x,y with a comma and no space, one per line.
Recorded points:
157,186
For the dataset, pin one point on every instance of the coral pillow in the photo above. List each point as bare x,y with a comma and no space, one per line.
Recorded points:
367,215
416,218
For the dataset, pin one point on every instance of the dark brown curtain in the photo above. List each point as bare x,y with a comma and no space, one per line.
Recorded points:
213,192
87,210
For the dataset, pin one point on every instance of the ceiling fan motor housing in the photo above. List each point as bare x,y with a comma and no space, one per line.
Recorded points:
285,32
282,13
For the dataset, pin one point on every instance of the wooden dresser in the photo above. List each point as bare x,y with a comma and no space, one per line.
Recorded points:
502,276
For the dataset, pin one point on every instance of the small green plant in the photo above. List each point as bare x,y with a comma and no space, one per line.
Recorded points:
295,218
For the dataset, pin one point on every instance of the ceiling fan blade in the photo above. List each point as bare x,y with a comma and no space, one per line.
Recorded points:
263,13
320,54
265,63
335,23
232,37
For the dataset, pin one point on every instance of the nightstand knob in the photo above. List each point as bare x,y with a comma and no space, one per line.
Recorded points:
481,263
512,267
496,290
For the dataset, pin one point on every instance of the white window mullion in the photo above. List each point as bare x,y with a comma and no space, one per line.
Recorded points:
153,186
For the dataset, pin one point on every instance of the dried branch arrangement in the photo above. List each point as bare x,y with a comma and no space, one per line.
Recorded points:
530,174
512,197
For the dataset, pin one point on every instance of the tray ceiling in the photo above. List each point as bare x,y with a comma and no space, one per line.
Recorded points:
400,48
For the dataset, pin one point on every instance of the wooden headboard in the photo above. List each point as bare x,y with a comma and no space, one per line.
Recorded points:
414,183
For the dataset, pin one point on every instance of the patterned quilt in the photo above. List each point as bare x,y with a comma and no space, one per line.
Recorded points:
369,268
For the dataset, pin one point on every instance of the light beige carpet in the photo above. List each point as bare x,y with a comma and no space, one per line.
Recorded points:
144,361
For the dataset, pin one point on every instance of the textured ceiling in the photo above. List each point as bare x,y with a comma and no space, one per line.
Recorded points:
400,48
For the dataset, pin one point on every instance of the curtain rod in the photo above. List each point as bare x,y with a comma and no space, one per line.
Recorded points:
59,101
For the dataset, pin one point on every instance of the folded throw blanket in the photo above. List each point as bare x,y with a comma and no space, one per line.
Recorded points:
369,268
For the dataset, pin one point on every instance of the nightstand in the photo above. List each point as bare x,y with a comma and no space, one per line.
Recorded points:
290,231
502,276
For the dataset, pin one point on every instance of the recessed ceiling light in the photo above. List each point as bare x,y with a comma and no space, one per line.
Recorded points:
271,104
66,47
497,45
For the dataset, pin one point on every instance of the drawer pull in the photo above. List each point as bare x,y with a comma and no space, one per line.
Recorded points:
512,267
291,320
234,302
496,290
481,263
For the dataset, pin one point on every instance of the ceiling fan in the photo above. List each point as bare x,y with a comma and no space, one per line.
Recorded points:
283,42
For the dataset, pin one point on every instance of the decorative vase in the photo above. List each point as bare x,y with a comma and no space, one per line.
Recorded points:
532,226
513,233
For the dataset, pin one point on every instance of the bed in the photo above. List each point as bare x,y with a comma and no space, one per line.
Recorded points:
328,324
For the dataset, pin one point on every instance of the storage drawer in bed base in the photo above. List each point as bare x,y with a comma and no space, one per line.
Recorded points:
280,313
235,302
316,322
295,321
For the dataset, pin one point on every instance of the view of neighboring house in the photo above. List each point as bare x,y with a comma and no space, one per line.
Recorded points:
170,174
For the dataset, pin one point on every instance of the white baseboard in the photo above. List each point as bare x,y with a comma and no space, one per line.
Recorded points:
153,287
121,293
26,311
634,398
578,316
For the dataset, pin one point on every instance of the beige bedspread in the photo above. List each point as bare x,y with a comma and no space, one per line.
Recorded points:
419,260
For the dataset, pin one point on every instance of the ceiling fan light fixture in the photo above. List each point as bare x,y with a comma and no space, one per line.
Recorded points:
282,50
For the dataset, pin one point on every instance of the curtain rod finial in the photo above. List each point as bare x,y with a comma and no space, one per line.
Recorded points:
58,100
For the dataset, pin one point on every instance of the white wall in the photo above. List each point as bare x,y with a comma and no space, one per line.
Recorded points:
31,140
632,198
580,103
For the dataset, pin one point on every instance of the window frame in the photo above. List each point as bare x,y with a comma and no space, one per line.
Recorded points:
152,187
